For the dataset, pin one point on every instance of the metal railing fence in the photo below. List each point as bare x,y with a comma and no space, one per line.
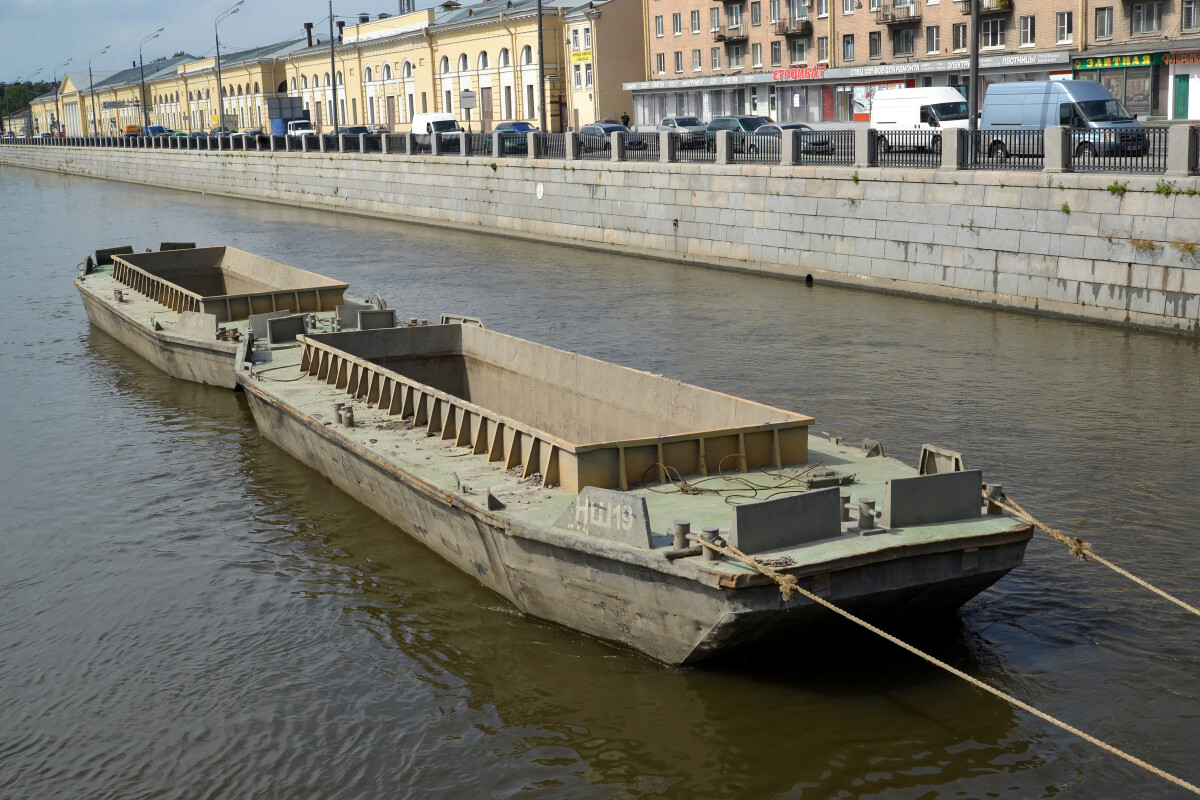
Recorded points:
992,149
894,148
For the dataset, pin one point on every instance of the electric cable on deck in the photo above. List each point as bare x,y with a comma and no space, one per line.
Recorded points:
790,587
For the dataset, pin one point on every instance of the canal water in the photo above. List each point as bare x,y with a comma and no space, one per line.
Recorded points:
185,612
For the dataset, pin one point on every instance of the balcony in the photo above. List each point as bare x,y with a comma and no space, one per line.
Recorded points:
731,34
987,6
894,14
794,27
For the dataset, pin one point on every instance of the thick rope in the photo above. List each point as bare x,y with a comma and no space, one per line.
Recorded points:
1083,551
790,587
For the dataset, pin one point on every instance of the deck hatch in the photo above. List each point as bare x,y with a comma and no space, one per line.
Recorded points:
574,420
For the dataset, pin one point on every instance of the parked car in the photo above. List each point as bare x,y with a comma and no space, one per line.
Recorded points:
1100,125
158,130
513,137
810,141
44,136
196,135
690,130
598,137
249,133
131,131
441,124
926,108
351,130
377,129
739,128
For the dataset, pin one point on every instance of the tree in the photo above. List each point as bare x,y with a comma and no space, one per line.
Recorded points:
180,53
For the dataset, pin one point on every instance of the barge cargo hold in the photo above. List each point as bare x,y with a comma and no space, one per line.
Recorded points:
568,486
184,310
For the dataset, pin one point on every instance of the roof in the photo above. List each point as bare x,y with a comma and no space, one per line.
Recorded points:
269,51
134,74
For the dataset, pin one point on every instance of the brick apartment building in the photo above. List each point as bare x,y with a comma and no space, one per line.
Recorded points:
822,60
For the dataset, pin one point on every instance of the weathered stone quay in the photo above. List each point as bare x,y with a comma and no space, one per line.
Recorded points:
1115,248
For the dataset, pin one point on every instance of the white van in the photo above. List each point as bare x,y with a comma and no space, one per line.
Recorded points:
436,123
1100,125
922,109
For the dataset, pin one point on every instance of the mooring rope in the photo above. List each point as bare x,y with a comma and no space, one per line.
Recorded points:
1084,552
789,587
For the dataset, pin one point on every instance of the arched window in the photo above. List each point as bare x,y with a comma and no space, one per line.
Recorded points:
256,87
177,97
223,92
368,74
239,90
339,79
406,69
316,81
463,63
505,58
527,55
327,79
282,87
303,81
387,72
483,60
445,64
293,84
206,96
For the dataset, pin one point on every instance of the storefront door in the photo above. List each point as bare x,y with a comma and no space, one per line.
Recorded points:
1181,97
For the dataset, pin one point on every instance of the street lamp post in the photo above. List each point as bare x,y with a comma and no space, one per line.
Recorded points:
57,110
541,69
142,68
217,36
333,68
92,85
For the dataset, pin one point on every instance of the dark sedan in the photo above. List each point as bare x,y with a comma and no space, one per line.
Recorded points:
513,138
810,141
598,137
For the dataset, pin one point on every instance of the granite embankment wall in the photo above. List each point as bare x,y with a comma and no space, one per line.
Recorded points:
1063,244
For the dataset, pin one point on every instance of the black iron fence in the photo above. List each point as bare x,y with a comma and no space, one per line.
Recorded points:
641,147
1142,149
993,149
895,148
1119,150
551,145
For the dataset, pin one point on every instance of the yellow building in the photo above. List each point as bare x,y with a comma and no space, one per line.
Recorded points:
386,70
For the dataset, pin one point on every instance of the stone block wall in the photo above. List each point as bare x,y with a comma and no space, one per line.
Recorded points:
1118,248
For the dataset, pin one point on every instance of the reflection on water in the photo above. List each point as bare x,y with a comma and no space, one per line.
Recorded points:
186,611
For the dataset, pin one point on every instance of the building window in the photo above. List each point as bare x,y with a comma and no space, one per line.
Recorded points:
847,6
756,54
1028,31
588,78
736,54
933,37
1064,23
873,5
798,51
587,38
695,22
714,18
1191,19
677,24
822,8
822,49
1147,18
696,65
960,37
904,43
776,53
774,10
449,106
660,61
574,38
756,13
1104,19
875,44
716,58
463,63
679,61
733,15
578,70
658,26
992,33
848,47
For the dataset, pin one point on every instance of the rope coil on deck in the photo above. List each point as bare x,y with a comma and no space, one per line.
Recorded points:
790,587
1084,552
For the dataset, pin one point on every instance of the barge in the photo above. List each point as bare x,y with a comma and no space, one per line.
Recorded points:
577,489
184,308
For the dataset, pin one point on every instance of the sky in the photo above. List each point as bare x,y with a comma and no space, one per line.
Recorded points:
42,34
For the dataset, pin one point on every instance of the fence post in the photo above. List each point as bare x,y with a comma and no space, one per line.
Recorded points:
1057,148
303,143
789,144
435,143
410,141
384,144
1181,150
954,148
617,145
531,145
666,147
724,146
864,147
571,146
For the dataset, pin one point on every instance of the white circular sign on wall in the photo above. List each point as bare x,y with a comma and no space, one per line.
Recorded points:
541,190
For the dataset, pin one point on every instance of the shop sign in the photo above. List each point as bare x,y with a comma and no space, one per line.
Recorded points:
799,74
581,55
1190,57
1120,62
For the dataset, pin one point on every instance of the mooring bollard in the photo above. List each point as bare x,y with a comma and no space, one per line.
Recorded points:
682,528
